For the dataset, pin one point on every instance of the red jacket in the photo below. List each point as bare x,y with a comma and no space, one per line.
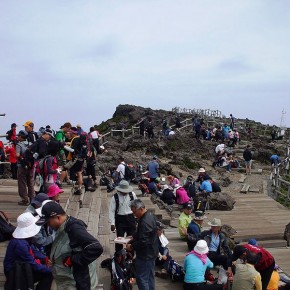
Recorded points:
12,153
266,259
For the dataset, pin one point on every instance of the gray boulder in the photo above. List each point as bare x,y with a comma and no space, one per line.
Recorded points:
221,201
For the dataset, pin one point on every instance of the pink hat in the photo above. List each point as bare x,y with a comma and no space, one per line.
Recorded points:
53,190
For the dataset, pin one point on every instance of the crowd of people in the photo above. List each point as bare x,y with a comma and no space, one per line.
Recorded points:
58,247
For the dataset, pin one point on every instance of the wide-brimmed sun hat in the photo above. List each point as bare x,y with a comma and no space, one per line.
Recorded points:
53,190
215,223
201,247
201,170
26,227
124,186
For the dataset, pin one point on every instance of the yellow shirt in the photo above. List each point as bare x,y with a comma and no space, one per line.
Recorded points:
183,222
274,281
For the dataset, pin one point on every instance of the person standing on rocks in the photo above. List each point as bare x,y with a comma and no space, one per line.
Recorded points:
153,168
247,155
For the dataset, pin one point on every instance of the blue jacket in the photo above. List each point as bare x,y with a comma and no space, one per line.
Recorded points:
19,250
153,168
206,185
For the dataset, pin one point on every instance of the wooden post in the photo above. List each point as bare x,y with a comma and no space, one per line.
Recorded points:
123,133
112,134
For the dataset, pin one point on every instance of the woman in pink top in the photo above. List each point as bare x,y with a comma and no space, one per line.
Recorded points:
181,195
173,181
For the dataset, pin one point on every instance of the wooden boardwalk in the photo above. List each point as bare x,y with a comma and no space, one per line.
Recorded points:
255,215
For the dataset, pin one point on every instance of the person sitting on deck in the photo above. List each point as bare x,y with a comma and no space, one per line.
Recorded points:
219,251
184,220
163,255
181,195
196,263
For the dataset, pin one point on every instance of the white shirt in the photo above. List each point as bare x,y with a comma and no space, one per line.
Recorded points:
121,169
124,206
219,148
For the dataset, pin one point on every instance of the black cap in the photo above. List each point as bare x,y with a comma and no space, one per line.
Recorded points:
50,209
188,206
39,199
239,250
22,133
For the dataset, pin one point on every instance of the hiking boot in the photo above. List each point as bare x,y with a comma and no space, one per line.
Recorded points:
24,202
162,274
78,192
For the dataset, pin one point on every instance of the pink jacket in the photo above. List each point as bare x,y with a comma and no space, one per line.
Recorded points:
181,196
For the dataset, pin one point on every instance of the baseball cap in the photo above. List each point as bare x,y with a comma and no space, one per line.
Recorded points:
188,206
48,210
28,124
49,132
22,133
39,199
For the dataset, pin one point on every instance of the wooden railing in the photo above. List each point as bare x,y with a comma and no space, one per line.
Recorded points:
278,171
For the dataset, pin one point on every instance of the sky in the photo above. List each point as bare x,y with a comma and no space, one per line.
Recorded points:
78,60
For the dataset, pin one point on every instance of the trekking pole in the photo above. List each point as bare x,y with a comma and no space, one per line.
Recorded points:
4,162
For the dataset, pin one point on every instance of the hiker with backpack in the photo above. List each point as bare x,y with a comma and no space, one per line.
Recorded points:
145,245
25,170
61,156
121,216
119,174
24,265
31,135
80,152
48,166
74,250
39,147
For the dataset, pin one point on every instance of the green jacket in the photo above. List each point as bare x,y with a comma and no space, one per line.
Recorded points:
62,275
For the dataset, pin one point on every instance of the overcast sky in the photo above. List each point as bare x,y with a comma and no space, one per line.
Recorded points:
78,60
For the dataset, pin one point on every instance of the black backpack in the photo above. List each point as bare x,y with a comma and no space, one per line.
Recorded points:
129,173
9,134
6,228
20,277
27,159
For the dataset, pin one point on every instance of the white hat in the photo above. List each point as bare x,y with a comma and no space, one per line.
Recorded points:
201,170
26,227
201,247
215,223
39,210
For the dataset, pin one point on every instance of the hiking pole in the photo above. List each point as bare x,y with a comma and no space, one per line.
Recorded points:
4,162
